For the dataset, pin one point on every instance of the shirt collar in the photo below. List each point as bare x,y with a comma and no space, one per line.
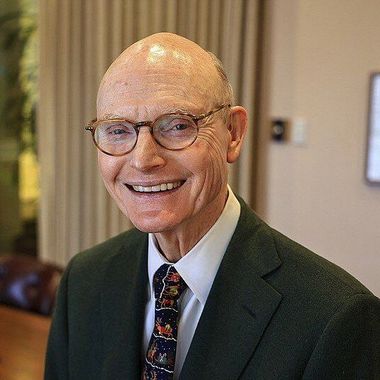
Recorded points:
199,266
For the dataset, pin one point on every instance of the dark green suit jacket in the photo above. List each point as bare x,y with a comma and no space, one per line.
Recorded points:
275,311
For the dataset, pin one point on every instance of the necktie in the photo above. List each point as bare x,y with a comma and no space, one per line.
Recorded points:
160,356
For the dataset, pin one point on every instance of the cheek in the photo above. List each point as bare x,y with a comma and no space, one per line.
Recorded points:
109,167
211,157
215,147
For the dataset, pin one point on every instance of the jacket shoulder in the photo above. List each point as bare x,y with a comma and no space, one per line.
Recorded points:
301,270
91,262
316,272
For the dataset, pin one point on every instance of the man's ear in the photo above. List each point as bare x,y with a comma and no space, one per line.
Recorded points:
237,128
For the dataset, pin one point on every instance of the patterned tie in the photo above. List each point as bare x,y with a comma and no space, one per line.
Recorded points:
160,356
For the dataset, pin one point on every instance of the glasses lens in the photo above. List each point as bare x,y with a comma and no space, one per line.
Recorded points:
175,131
115,137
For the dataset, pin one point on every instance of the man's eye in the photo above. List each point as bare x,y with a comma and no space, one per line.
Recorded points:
180,126
117,130
176,125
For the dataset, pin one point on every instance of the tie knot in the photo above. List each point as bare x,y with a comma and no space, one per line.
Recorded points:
168,283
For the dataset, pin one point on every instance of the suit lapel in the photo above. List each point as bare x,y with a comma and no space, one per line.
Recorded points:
239,307
123,306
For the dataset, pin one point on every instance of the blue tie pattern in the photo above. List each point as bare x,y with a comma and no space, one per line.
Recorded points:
160,356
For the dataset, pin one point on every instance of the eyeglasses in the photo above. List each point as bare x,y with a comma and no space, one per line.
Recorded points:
173,131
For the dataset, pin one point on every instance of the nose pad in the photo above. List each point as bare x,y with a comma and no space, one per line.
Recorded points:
146,153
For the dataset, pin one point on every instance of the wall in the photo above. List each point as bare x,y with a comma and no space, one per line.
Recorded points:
319,55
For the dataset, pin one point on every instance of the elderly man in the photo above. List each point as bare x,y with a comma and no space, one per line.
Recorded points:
201,288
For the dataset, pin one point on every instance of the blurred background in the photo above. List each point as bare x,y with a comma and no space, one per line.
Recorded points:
301,67
19,181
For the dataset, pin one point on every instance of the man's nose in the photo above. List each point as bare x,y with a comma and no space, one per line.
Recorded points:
145,155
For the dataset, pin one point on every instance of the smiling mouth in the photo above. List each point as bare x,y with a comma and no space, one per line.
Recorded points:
156,188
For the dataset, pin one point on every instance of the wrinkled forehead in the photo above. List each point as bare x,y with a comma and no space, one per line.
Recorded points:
151,73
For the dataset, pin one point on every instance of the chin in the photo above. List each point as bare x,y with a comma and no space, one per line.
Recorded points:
146,225
149,228
152,225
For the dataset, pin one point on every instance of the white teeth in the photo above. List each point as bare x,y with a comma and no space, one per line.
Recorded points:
156,188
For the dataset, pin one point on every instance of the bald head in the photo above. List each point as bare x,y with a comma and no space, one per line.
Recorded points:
165,60
177,192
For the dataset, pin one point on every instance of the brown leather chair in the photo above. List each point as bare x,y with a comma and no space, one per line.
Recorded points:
29,284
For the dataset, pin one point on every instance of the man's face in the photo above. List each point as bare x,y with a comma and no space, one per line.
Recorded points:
192,181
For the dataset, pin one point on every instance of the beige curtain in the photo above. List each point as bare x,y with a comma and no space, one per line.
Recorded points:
78,40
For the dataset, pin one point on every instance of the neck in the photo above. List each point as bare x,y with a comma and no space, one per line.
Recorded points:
175,244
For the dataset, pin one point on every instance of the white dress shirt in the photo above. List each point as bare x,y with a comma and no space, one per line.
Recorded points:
198,268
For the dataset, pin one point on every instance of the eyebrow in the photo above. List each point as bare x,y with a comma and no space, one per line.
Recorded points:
111,116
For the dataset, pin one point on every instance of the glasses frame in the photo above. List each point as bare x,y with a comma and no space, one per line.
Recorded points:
93,124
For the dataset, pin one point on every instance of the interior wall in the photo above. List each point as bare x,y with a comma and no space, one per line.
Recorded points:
319,55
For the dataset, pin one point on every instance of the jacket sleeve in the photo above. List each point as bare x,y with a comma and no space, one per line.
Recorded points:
56,361
349,347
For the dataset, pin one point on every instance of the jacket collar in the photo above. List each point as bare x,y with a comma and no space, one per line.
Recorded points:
123,304
240,304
